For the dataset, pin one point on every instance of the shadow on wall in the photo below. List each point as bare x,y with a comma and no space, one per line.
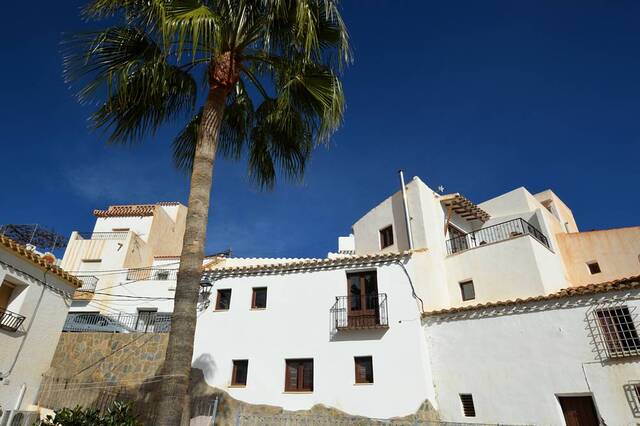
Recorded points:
356,335
632,393
207,365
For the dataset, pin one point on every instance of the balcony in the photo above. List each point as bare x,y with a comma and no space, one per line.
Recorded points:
10,320
114,235
89,283
360,312
142,322
495,233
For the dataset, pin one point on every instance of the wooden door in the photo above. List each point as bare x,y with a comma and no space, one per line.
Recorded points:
364,307
579,410
6,289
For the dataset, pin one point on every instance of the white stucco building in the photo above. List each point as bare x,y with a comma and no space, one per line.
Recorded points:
487,312
35,296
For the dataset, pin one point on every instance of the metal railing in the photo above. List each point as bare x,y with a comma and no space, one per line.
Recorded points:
89,283
10,320
142,322
114,235
141,274
492,234
357,312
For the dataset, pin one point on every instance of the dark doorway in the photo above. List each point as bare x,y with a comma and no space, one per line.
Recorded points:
364,307
579,410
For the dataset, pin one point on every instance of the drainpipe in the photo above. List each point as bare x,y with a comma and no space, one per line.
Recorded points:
406,210
16,408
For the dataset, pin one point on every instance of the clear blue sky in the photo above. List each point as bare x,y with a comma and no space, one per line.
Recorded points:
481,97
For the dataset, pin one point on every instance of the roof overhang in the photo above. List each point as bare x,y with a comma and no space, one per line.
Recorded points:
464,208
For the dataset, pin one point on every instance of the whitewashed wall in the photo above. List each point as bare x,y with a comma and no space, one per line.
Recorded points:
45,312
516,364
296,324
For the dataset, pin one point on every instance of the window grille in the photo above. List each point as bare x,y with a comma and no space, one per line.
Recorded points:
613,330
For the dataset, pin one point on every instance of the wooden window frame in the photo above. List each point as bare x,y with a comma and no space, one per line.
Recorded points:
300,364
253,297
468,405
381,234
367,361
473,288
218,299
594,264
234,373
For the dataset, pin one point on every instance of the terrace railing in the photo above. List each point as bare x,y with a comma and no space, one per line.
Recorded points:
142,322
495,233
10,320
114,235
358,312
89,283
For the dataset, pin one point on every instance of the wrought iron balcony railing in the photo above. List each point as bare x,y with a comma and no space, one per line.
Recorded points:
114,235
358,312
10,320
142,322
89,283
495,233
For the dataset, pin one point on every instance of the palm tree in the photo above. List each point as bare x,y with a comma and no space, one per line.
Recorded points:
249,79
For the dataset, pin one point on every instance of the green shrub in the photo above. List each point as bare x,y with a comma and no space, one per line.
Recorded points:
118,414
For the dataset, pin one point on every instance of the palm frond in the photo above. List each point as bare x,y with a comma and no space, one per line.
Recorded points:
105,57
146,99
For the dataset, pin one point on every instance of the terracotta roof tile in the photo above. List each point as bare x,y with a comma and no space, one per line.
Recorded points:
40,261
310,263
615,285
132,210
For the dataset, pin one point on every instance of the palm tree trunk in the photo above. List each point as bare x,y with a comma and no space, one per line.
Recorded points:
173,404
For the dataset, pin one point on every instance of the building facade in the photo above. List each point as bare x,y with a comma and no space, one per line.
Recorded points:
402,316
34,300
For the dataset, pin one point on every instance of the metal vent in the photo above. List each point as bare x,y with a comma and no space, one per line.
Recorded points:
468,408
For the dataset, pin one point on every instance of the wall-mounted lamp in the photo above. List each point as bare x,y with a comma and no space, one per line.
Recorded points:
205,288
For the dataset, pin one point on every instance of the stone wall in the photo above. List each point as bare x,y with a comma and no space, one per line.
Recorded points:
93,369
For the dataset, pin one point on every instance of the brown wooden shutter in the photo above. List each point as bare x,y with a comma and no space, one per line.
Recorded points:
291,379
307,375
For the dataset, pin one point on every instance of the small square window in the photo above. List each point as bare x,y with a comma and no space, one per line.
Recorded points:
468,408
594,268
239,374
467,290
223,301
162,275
364,369
386,237
259,298
298,375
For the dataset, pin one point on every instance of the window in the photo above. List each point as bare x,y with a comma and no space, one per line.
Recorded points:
364,369
386,237
618,331
259,298
467,290
223,301
298,375
239,374
457,240
468,408
146,319
162,275
594,268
